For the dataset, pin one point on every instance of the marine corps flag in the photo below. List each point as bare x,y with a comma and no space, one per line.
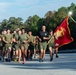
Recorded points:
62,34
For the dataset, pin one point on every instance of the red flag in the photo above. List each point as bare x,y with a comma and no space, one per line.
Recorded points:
62,34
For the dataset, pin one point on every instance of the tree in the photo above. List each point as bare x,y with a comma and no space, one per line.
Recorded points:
48,17
3,24
31,23
19,21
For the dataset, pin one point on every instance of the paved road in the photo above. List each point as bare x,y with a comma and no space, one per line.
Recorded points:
64,65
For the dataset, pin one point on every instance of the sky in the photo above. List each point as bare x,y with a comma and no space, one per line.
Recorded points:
26,8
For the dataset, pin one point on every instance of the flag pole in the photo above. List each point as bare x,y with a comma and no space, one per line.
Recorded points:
72,19
69,15
50,39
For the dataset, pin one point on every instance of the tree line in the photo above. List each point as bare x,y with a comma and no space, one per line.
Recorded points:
51,19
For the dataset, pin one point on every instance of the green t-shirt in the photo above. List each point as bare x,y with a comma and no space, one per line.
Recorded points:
1,42
15,36
24,37
52,40
1,36
8,37
31,38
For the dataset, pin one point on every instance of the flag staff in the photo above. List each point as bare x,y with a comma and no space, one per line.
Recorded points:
69,14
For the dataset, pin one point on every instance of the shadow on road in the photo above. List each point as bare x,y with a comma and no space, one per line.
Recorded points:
63,62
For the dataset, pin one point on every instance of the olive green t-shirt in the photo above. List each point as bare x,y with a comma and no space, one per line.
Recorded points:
31,38
15,36
1,43
52,40
8,37
1,36
24,37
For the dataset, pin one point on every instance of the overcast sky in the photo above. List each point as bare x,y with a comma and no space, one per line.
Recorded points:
26,8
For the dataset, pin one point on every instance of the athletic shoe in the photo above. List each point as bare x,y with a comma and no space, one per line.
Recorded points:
15,59
57,56
40,60
19,61
24,61
51,59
